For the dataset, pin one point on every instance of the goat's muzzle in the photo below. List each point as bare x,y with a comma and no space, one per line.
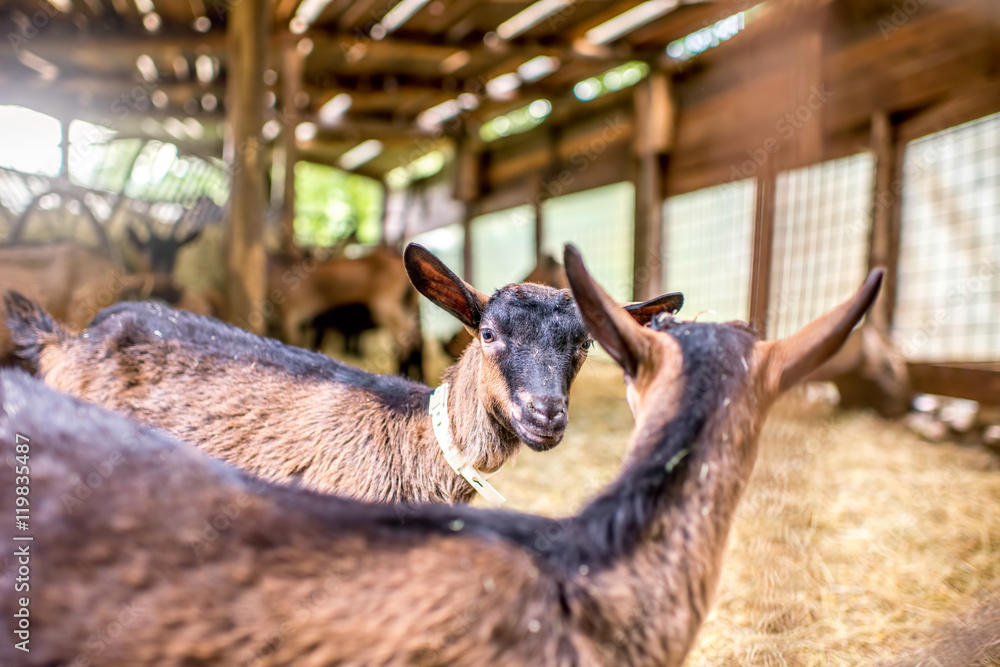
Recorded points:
542,421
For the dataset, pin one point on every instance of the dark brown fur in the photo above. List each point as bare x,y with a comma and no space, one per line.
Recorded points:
199,565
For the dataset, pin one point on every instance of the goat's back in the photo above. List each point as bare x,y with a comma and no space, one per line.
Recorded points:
275,410
147,552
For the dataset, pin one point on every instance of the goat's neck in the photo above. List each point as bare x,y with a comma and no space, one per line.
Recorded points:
656,573
475,430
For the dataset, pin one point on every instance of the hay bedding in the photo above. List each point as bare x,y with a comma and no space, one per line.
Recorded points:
856,544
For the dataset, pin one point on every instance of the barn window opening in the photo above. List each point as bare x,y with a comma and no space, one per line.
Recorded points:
446,243
712,36
509,234
948,305
422,167
333,206
31,141
600,222
517,121
822,224
614,79
708,240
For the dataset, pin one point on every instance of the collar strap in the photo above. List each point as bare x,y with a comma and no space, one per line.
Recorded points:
442,431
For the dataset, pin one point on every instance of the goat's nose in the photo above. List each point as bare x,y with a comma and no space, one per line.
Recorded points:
548,408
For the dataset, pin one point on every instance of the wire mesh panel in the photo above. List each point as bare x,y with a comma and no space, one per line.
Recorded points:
948,300
822,224
446,243
708,235
503,248
600,222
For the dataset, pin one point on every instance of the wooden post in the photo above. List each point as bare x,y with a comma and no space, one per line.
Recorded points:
246,36
467,261
291,86
655,115
763,250
807,66
467,188
886,213
536,205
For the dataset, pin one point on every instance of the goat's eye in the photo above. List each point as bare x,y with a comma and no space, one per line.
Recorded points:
488,335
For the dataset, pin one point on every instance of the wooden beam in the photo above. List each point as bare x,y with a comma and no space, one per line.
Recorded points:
359,129
468,173
655,115
467,260
968,104
539,211
886,217
763,251
125,49
975,382
807,77
647,264
293,65
245,259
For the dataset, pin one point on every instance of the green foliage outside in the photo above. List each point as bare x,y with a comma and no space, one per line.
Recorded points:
330,204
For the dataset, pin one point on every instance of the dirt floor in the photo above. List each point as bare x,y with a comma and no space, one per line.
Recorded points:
855,541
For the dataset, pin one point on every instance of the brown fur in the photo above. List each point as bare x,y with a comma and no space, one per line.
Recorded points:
329,437
221,571
302,290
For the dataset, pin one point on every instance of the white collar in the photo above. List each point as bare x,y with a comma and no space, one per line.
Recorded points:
442,431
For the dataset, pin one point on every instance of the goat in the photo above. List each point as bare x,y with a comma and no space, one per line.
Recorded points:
284,413
72,282
351,320
215,568
160,253
308,288
547,272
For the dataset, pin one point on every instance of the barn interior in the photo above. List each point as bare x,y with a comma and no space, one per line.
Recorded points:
759,156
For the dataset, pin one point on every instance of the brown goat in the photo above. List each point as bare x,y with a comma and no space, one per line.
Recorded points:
378,280
285,413
153,554
72,282
547,272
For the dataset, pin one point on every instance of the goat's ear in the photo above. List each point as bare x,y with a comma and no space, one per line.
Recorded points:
135,240
608,322
791,359
437,282
644,312
189,237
